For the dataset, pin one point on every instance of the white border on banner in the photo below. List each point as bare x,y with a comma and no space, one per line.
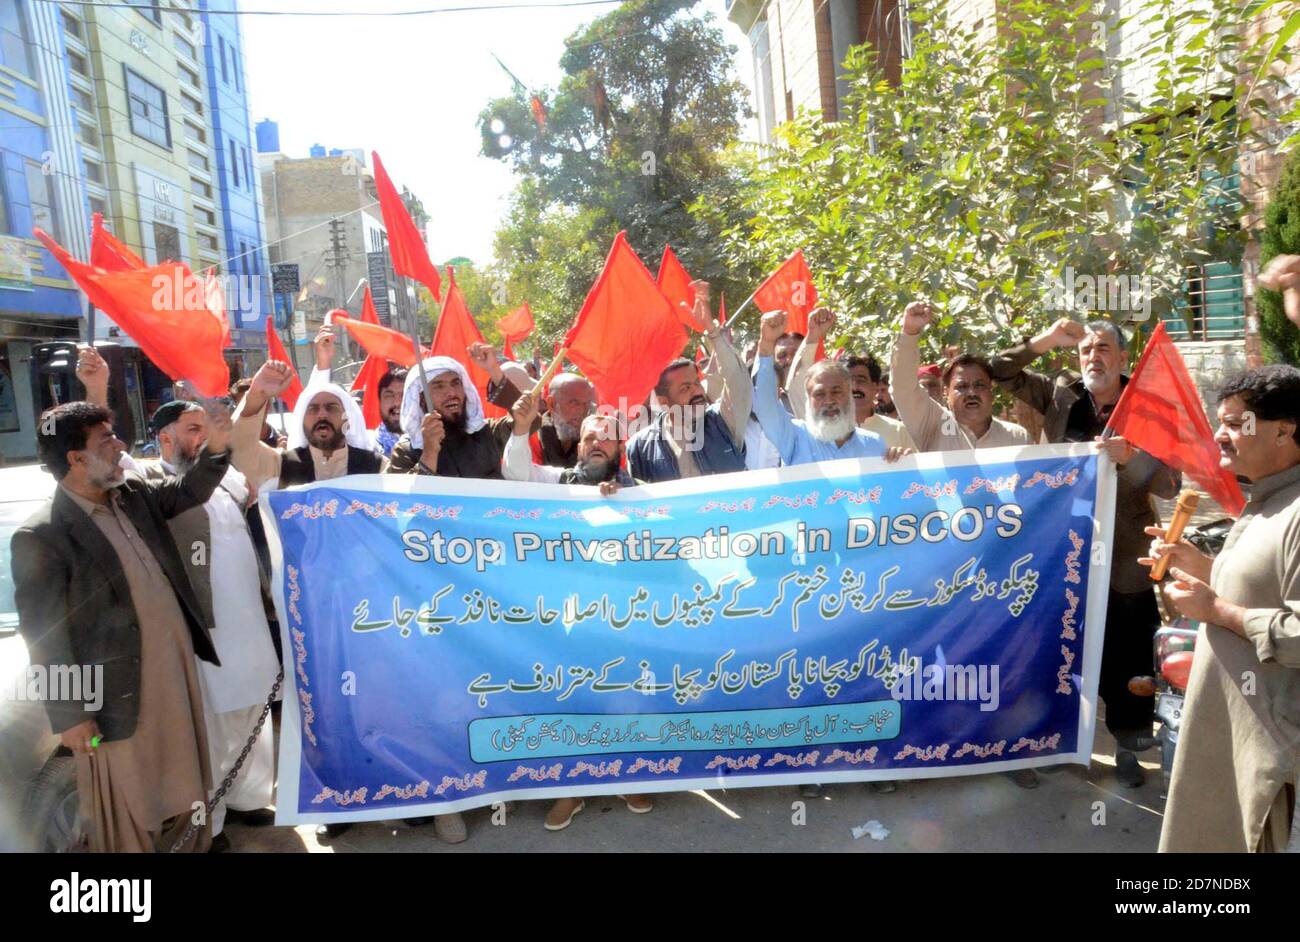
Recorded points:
290,758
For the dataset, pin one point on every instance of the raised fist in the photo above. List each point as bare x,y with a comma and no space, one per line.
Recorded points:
820,323
917,316
772,327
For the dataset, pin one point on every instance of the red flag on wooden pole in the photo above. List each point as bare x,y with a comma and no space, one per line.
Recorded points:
410,255
164,309
455,332
626,332
790,288
275,351
376,339
1160,412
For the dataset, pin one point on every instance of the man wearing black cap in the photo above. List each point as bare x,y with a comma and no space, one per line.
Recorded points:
222,563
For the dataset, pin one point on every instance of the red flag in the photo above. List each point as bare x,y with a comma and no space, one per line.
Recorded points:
410,255
626,332
368,377
518,324
1161,413
539,112
108,252
378,340
373,370
456,331
675,283
275,351
722,310
164,309
790,288
515,327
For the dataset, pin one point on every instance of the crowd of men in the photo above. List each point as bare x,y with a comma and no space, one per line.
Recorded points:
158,571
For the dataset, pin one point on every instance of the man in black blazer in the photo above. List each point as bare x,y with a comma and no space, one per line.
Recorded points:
100,587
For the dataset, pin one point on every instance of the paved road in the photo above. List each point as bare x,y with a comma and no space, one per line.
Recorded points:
979,813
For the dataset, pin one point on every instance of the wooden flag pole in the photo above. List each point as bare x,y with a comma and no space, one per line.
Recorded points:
552,369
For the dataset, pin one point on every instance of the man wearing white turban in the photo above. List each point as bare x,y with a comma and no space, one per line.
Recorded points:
327,433
449,436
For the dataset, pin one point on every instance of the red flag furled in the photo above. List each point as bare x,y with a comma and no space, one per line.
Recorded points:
1161,413
675,283
455,332
515,327
164,309
722,310
108,252
376,339
373,370
410,255
626,332
790,288
275,351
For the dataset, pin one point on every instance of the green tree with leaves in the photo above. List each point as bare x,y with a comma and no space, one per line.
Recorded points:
997,166
629,139
1281,236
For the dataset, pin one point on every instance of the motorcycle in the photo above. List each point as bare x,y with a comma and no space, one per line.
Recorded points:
1174,648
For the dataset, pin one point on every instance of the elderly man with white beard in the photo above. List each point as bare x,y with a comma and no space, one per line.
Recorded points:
829,430
571,399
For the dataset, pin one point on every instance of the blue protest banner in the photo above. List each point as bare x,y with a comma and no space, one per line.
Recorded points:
453,643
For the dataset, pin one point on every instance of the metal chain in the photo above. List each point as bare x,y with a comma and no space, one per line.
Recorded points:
234,769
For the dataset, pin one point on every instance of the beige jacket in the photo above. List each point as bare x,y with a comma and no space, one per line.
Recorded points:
1240,739
930,424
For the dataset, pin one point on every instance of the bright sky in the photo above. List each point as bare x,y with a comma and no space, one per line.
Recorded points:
412,88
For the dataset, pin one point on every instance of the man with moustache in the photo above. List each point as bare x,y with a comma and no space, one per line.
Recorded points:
865,372
1234,777
691,436
216,546
965,418
99,584
327,434
391,386
448,435
1076,407
597,463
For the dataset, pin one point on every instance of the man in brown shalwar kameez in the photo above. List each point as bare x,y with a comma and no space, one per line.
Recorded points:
99,584
1234,776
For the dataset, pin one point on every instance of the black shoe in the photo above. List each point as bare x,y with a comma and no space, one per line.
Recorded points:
418,822
884,787
327,832
810,790
1128,770
1024,778
220,844
258,818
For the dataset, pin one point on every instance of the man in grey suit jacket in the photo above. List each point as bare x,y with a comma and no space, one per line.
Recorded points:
1076,408
99,586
